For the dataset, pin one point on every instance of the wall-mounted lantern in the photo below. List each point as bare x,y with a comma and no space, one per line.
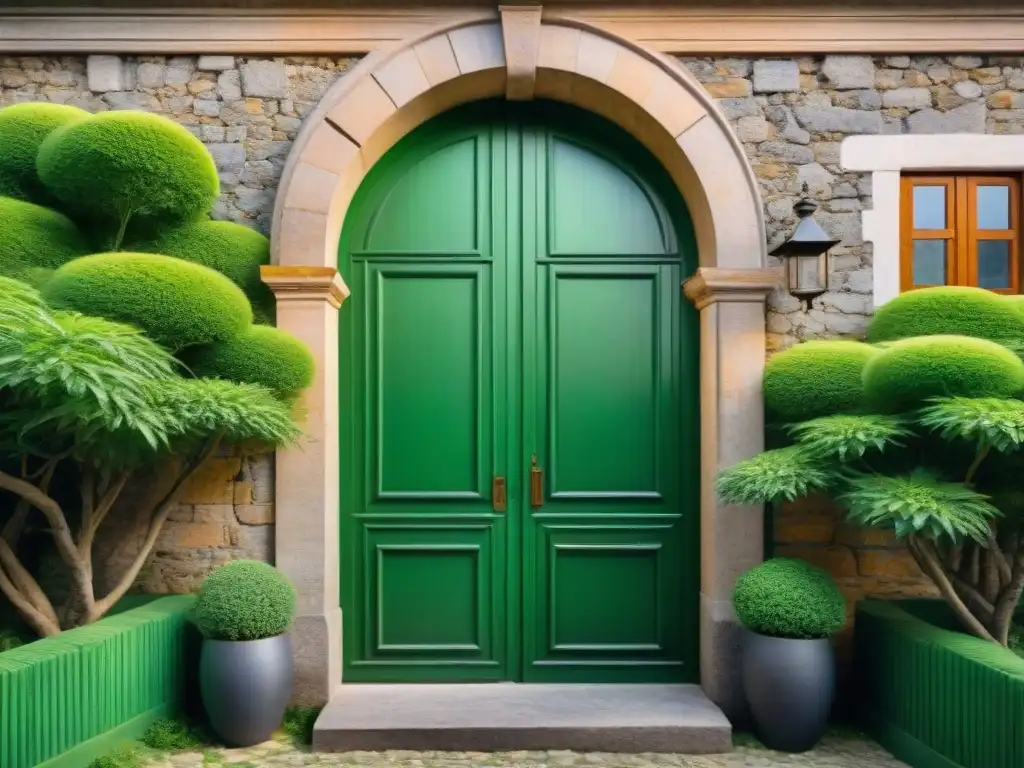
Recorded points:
805,254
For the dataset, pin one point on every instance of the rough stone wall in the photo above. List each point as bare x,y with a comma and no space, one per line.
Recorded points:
790,113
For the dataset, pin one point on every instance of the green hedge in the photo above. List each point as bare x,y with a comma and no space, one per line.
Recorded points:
67,699
934,697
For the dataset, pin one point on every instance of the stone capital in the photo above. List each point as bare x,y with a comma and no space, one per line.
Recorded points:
305,283
713,284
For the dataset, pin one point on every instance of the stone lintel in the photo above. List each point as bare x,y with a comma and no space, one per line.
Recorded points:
305,283
520,28
713,284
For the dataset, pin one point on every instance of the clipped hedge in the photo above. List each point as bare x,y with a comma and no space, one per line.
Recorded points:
950,310
34,240
785,597
908,372
233,250
262,355
23,128
244,600
176,303
128,168
816,378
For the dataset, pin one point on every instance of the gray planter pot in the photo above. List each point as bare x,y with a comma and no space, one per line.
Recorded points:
789,685
246,686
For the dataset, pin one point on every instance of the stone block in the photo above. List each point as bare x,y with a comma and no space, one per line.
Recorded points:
968,89
896,563
229,157
255,514
206,107
229,86
970,118
265,79
132,100
1006,100
966,62
243,492
838,120
733,87
911,98
776,76
199,535
754,129
213,483
797,154
151,75
214,513
848,72
837,560
179,70
735,108
216,63
106,73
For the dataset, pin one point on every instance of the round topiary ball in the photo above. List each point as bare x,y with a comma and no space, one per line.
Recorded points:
784,597
950,310
906,373
262,355
232,249
244,600
23,128
126,169
176,303
816,378
34,239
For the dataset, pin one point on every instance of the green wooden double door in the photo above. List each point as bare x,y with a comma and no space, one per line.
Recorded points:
519,438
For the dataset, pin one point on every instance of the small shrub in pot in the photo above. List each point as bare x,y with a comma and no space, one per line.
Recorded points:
244,610
789,609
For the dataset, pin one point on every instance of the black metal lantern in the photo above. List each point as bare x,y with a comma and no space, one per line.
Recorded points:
806,254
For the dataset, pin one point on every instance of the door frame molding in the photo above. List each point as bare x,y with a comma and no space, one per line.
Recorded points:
383,98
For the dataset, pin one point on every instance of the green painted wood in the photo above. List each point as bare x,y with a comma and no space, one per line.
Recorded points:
515,275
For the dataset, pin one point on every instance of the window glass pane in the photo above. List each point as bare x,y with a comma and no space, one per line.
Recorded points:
930,262
994,207
929,207
994,264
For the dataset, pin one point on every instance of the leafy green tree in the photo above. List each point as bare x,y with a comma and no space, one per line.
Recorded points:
921,434
102,397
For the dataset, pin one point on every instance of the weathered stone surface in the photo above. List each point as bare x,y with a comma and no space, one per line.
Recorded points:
849,71
228,157
216,63
838,120
150,75
106,73
968,89
776,76
255,514
266,79
912,98
132,100
970,118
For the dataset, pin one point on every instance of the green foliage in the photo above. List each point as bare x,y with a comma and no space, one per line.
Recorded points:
170,735
299,722
232,249
987,421
850,436
776,475
33,239
244,600
23,128
176,303
789,598
816,378
262,355
919,503
127,756
9,640
127,167
909,372
948,311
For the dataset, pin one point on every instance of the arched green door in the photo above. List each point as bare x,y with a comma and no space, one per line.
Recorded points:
519,437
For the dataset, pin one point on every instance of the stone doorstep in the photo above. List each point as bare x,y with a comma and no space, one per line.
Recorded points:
510,717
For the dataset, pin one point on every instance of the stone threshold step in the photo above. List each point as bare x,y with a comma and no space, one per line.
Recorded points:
510,717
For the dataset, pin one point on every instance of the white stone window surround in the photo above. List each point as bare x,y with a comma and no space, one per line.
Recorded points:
888,157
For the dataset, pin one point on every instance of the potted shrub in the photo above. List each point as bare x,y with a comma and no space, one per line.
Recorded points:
789,610
243,611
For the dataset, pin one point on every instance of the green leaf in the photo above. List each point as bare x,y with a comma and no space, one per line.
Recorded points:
849,436
919,503
988,421
780,474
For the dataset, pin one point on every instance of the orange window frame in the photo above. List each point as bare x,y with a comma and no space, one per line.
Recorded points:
961,232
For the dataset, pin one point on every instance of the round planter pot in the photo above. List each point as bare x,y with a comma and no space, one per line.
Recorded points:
246,686
789,685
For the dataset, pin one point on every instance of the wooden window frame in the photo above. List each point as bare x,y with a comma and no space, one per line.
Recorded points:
961,232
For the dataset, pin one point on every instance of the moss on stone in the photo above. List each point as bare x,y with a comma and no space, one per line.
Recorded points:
951,310
176,303
35,240
23,128
816,378
907,372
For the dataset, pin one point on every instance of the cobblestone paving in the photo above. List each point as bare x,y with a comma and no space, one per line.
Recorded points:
834,752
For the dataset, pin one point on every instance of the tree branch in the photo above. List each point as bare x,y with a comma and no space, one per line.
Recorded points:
99,514
930,564
16,523
36,620
1007,604
160,514
22,581
985,609
973,469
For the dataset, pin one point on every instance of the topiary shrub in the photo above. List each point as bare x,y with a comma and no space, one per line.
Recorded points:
34,239
244,600
908,372
232,249
262,355
176,303
785,597
816,378
951,310
23,128
128,168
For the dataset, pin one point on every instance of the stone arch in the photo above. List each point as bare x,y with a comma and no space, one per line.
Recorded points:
390,93
658,101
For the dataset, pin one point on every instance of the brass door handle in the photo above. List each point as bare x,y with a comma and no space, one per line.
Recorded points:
499,494
536,484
